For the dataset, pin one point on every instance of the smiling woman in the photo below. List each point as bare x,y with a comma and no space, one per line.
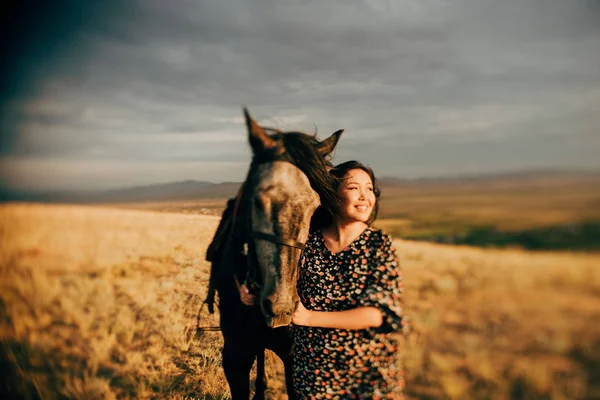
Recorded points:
358,190
349,286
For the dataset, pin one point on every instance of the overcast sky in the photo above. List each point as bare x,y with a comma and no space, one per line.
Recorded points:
151,91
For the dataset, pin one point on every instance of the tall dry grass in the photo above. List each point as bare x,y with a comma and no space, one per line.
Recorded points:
501,324
98,303
102,303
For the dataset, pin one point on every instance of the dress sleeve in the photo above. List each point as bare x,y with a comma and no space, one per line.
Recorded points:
385,289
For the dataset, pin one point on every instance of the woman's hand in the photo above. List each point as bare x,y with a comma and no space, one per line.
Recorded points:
245,295
302,316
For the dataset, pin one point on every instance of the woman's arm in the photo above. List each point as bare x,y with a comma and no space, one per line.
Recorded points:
356,318
386,288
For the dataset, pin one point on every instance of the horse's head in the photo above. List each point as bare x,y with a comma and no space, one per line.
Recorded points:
287,181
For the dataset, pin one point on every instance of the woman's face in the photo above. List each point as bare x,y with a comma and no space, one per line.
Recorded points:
357,192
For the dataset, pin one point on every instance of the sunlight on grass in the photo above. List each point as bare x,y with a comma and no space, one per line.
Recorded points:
102,303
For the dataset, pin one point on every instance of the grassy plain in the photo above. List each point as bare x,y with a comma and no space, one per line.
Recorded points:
212,207
101,303
533,211
426,209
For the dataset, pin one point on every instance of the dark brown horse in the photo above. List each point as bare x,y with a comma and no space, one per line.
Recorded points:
259,241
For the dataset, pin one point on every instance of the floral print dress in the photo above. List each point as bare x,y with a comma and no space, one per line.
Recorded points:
349,364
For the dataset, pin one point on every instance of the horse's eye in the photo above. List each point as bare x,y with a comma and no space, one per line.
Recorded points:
258,203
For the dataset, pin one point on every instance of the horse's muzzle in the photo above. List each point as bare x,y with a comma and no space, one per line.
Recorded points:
278,320
278,314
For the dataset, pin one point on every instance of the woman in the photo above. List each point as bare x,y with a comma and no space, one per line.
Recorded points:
349,286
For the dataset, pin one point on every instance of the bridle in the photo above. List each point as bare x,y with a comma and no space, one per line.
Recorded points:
249,247
278,240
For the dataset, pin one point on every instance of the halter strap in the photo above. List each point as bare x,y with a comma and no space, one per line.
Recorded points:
252,272
278,240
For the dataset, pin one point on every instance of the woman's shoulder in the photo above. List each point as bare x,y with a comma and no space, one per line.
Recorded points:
314,236
379,235
314,232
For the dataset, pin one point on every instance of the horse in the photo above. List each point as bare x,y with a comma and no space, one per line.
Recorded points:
259,241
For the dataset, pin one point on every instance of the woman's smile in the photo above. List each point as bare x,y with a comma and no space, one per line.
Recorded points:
358,195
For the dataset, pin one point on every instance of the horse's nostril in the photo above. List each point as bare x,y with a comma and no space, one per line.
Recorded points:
267,309
271,310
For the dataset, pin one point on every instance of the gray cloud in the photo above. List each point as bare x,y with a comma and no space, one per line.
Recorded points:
421,87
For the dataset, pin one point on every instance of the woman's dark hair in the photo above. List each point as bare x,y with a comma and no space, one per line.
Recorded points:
321,217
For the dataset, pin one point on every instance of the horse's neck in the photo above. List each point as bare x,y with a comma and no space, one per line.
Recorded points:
234,260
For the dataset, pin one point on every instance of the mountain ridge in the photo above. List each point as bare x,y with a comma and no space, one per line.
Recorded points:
194,189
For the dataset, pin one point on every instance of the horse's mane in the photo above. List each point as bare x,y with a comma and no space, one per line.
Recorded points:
302,150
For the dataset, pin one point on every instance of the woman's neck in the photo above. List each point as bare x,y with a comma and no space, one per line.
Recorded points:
340,234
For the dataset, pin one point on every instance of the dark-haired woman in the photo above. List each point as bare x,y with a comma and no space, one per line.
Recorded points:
349,286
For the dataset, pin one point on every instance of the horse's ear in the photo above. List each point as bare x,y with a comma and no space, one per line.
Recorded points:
259,139
326,146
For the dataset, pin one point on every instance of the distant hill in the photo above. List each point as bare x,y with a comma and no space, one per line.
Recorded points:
184,190
191,189
517,176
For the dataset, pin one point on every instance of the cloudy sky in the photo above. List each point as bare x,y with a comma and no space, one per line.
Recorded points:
133,93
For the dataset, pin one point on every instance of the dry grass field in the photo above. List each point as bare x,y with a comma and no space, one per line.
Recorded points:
101,303
212,207
551,211
508,204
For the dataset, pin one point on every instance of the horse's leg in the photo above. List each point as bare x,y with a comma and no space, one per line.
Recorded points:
281,343
237,366
289,382
261,377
